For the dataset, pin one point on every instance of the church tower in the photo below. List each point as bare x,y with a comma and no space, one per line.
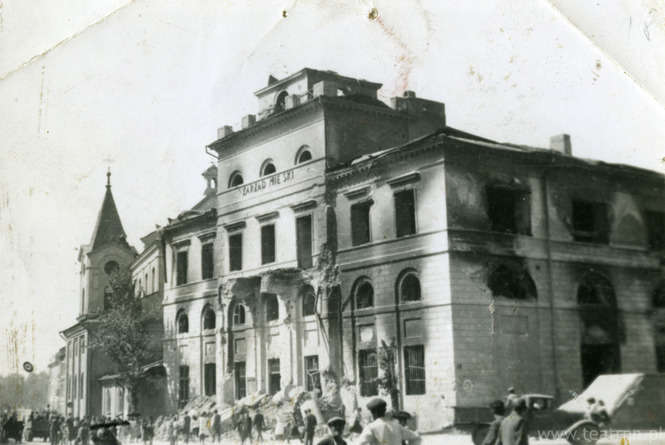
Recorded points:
107,253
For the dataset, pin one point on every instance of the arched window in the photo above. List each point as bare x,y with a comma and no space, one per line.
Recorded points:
364,295
209,318
308,301
111,267
304,154
280,102
154,283
595,290
510,283
182,321
268,168
235,180
409,287
238,315
271,306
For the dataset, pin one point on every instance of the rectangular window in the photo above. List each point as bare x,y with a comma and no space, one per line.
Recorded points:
207,261
509,210
241,383
239,346
274,376
312,372
360,223
414,369
590,222
183,386
369,372
210,379
405,213
81,384
304,241
74,386
181,263
660,357
235,251
154,283
655,222
268,244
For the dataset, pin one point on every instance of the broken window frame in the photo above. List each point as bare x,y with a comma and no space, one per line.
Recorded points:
183,385
209,318
517,221
312,372
274,376
409,275
590,221
655,225
182,322
368,372
366,284
271,305
361,232
405,212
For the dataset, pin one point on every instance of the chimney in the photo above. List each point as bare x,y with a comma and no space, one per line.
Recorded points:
224,131
248,121
324,88
562,144
291,101
410,94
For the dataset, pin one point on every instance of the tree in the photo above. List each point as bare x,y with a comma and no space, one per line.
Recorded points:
123,333
388,377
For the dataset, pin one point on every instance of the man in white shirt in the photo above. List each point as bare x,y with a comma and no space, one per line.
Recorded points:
383,431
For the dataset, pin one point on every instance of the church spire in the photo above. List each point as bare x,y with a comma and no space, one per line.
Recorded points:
109,227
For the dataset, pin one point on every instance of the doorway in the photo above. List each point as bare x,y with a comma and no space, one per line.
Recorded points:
597,360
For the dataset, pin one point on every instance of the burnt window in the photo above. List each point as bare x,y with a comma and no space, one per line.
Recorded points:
235,180
183,386
360,223
280,102
308,303
240,380
304,241
312,372
183,322
181,268
368,371
655,222
590,222
274,376
268,244
364,295
235,252
508,210
414,369
272,307
210,379
405,213
209,318
660,358
409,288
238,315
207,261
511,283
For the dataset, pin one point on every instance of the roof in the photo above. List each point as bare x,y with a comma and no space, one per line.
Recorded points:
108,228
274,82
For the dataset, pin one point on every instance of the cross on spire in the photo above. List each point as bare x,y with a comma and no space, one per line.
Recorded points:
108,178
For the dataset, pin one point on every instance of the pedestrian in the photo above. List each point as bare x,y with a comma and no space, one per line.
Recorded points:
511,399
54,428
216,427
499,412
186,424
310,427
172,430
402,418
336,427
147,431
292,428
514,428
83,435
248,425
259,424
385,431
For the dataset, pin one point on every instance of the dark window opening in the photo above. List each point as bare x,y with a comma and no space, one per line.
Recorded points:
207,261
312,372
238,315
235,180
590,222
209,318
414,369
369,372
364,295
405,213
509,210
308,303
304,156
268,244
660,357
210,379
268,169
655,222
272,307
274,376
240,381
410,288
508,283
360,223
111,268
183,386
181,264
235,252
183,323
304,241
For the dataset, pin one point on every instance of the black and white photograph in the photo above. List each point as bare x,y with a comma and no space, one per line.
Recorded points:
337,222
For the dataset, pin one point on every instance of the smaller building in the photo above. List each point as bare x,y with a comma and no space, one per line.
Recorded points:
57,375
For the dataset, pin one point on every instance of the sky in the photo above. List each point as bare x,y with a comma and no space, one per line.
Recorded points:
141,86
